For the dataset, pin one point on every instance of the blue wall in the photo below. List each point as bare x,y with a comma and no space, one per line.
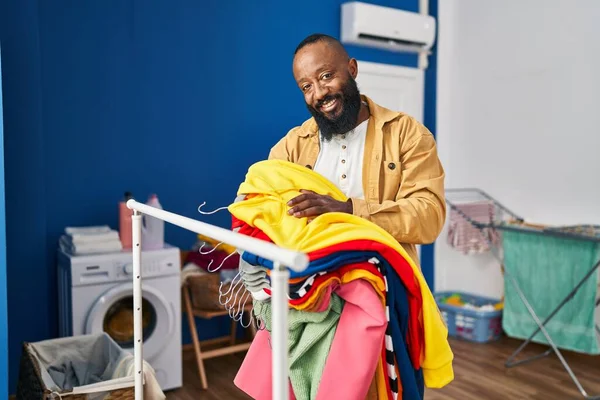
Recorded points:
429,120
3,309
31,293
177,98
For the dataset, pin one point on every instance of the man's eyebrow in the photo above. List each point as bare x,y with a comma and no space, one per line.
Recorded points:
319,70
326,66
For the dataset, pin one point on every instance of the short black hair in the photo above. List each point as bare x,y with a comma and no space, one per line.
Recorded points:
319,37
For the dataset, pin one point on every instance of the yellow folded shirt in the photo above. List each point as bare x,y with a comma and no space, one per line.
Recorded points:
274,182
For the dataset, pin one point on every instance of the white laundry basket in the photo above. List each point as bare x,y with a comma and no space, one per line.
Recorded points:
82,367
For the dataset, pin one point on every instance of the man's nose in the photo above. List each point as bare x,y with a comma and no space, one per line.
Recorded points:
320,92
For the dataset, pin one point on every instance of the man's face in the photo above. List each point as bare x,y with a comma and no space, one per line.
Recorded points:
326,78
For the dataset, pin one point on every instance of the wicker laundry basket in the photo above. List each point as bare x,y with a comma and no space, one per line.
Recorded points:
42,362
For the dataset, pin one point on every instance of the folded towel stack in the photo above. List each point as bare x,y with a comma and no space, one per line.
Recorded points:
90,240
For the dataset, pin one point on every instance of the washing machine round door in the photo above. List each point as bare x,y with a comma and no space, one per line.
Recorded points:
113,313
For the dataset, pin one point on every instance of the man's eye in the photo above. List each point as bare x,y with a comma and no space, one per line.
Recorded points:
305,87
326,76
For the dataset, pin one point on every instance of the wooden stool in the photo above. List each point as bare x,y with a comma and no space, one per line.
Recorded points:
196,344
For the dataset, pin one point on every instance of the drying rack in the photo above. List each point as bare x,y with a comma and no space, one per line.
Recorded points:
282,259
503,219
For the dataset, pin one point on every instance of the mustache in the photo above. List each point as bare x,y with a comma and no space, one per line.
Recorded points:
327,99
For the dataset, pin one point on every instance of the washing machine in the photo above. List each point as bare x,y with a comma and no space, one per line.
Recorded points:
96,295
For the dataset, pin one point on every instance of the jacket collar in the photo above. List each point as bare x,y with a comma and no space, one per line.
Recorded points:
380,115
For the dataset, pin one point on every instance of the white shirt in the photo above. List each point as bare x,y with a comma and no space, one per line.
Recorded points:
341,160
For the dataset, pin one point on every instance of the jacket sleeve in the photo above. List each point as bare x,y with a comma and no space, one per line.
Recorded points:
418,213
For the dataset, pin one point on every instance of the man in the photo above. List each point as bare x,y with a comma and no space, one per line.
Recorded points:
386,162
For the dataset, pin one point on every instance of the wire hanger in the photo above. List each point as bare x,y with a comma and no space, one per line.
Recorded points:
259,326
232,287
210,251
250,318
221,294
235,308
209,212
230,306
220,265
239,315
235,304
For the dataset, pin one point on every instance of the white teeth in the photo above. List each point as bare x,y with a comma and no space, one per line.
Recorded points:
328,104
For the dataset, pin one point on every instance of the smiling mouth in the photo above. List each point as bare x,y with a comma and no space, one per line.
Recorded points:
329,105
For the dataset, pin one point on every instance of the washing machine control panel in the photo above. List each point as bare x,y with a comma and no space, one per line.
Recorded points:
105,268
128,269
151,267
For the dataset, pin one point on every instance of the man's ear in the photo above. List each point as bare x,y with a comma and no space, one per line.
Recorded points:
353,68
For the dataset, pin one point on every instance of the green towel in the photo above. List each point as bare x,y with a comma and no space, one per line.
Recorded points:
546,269
310,338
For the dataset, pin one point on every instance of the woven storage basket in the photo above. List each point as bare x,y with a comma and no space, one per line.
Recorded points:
204,291
31,386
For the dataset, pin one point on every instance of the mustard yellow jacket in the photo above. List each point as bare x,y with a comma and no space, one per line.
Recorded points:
403,179
274,182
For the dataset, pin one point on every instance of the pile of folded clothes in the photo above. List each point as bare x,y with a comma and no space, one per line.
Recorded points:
361,313
90,240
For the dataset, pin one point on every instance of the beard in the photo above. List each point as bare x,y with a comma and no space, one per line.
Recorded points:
346,121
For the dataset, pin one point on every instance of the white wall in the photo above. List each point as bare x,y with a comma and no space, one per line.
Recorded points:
518,115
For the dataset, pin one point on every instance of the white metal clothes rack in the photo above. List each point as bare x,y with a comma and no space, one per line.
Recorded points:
282,259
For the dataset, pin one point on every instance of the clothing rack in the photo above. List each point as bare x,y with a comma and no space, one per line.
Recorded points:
281,258
503,219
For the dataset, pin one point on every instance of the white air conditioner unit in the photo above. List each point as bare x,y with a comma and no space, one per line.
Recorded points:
386,28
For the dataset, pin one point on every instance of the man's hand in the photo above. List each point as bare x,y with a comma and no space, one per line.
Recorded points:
310,204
